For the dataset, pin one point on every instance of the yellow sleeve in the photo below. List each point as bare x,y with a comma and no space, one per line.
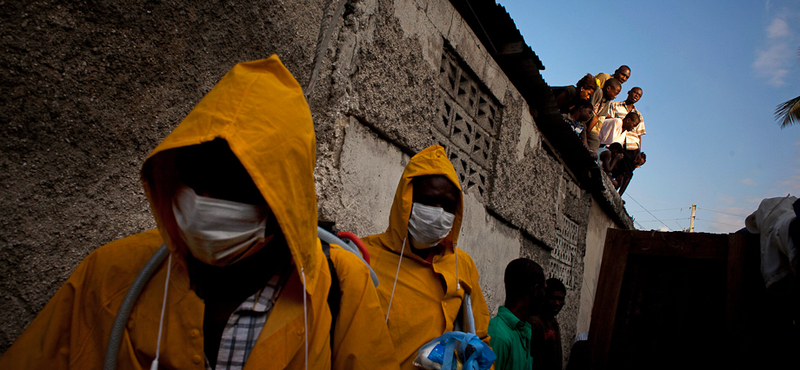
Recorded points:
46,343
361,338
73,327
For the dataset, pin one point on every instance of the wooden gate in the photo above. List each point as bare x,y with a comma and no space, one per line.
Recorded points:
670,300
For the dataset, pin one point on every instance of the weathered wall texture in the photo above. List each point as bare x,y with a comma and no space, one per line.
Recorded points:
89,90
406,74
599,223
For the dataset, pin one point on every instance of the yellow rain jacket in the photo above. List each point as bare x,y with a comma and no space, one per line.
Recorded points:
259,109
426,301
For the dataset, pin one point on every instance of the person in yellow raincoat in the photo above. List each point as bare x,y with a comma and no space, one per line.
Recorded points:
423,275
232,192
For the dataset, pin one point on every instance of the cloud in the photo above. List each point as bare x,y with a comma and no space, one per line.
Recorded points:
724,220
756,199
749,181
777,77
727,199
778,28
770,62
723,223
773,58
791,184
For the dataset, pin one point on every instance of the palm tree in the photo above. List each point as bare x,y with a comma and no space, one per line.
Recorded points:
788,112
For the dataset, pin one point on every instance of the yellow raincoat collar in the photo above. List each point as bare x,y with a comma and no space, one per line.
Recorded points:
259,109
430,161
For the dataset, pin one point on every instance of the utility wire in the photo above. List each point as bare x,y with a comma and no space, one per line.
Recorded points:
716,222
706,209
671,219
654,216
660,201
658,210
700,219
672,209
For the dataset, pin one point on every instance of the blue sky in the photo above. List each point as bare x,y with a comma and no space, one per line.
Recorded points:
712,73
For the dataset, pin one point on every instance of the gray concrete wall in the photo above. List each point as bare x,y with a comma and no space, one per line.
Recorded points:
599,223
91,91
88,90
393,84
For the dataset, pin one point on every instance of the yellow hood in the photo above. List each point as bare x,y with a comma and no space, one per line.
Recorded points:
426,298
259,109
431,161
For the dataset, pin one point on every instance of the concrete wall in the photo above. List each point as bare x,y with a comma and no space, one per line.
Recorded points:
412,73
88,90
91,91
599,223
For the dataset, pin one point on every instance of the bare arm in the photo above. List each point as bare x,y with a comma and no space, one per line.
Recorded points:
592,123
604,158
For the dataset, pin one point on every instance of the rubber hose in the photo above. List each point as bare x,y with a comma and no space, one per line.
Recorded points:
112,351
355,240
469,317
328,237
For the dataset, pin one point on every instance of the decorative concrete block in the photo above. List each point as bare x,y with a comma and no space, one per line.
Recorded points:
463,130
482,148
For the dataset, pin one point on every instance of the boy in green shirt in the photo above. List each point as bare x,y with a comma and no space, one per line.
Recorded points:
510,333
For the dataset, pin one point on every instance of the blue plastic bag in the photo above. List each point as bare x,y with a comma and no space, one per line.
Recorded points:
455,350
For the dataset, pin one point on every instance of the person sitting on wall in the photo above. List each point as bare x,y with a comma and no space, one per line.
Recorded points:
601,104
245,282
641,158
622,74
583,90
510,333
623,174
621,109
546,332
577,116
614,131
609,156
423,275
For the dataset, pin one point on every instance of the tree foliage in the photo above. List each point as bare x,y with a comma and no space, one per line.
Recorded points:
788,112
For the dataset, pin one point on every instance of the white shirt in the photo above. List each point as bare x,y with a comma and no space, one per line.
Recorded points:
620,110
612,132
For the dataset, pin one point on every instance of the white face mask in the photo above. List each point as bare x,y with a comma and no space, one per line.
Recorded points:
219,232
428,225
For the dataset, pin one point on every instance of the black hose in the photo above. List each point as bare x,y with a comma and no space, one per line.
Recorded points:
112,351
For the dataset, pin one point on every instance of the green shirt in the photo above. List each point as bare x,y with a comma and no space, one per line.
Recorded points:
510,341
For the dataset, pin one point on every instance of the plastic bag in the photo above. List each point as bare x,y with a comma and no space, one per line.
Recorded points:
455,350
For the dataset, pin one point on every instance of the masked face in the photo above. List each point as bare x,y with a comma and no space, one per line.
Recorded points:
219,232
428,225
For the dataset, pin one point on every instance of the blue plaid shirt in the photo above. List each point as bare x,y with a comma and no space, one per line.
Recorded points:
245,324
